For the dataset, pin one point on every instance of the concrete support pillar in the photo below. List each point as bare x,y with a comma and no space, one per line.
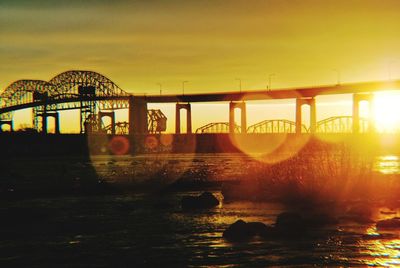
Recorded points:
44,123
189,118
188,109
357,98
356,114
137,115
56,123
313,114
131,115
231,118
243,116
299,103
177,119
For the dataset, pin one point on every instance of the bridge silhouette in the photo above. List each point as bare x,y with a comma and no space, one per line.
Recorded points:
96,97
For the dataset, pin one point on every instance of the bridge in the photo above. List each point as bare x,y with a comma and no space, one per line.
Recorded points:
96,97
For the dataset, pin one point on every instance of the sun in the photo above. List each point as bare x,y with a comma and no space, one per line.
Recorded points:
386,111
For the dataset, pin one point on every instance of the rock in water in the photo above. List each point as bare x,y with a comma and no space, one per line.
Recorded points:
242,231
237,231
208,199
290,223
260,229
393,223
204,201
320,220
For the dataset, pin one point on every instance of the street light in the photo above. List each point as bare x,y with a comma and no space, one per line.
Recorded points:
269,80
160,87
389,67
183,86
240,84
337,76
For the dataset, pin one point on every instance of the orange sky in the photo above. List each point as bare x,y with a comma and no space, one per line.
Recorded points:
138,44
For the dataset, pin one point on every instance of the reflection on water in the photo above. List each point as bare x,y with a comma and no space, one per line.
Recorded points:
380,249
90,231
380,253
208,166
137,230
388,164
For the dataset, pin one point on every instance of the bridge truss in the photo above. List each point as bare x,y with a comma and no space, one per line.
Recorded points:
336,124
218,127
87,91
275,126
121,128
341,124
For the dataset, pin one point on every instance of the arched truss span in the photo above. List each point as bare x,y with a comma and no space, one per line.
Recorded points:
69,82
275,126
21,92
87,84
68,85
17,92
76,89
218,127
340,124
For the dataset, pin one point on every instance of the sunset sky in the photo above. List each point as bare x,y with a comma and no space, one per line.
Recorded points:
138,44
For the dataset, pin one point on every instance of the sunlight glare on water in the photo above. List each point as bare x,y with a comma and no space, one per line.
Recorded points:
388,164
382,253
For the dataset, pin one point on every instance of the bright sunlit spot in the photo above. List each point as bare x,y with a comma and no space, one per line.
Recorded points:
387,111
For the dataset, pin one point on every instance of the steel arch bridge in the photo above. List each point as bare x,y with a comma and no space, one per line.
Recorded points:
218,127
275,126
76,89
340,124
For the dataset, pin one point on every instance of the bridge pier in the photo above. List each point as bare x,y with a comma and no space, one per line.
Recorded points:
55,115
7,122
357,98
107,114
188,109
243,125
137,115
313,113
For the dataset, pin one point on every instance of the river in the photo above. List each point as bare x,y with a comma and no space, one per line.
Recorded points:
151,230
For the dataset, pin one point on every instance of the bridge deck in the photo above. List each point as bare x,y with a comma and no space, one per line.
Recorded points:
287,93
234,96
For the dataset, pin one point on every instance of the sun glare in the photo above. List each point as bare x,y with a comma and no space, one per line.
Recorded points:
387,111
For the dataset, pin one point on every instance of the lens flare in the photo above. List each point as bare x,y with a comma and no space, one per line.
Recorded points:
270,145
119,145
387,111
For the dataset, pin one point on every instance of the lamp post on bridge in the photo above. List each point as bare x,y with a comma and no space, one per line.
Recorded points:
240,84
337,76
183,87
389,68
160,88
269,80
